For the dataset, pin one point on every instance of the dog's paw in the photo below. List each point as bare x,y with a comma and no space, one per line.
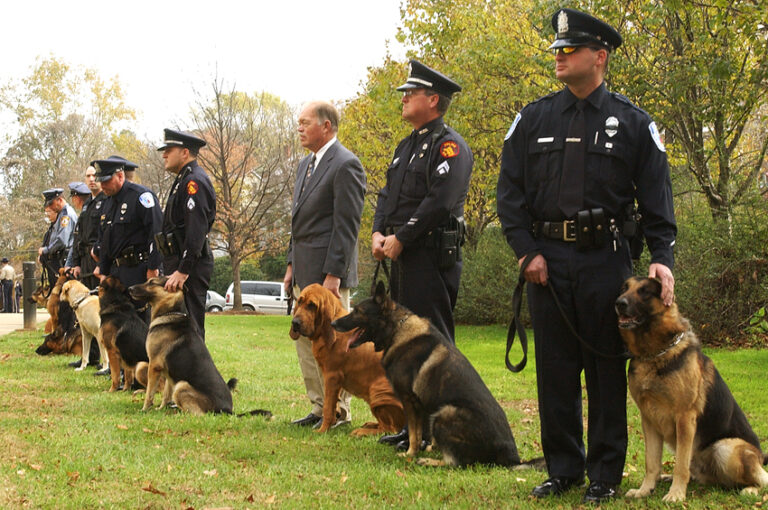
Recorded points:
638,493
674,496
426,461
79,369
750,491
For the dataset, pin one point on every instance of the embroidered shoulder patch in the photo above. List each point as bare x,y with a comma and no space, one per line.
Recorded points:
656,136
449,149
192,188
64,221
146,199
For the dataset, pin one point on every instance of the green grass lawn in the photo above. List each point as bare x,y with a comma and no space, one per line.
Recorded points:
66,443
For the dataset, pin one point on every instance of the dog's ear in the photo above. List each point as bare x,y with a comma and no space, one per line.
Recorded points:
381,293
654,285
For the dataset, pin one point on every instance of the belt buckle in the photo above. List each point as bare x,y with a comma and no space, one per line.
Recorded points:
569,230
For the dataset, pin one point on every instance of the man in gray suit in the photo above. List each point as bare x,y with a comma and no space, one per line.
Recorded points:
325,221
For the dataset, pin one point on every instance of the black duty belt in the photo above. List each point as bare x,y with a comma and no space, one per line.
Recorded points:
560,230
131,260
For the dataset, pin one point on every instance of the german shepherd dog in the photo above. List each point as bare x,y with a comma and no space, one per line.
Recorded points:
358,370
177,351
441,392
123,332
683,401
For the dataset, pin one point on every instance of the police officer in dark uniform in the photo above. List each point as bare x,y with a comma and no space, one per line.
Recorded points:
188,217
419,221
81,197
58,239
87,232
130,218
573,164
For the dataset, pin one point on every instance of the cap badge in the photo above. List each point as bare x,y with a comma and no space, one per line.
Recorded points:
611,126
562,22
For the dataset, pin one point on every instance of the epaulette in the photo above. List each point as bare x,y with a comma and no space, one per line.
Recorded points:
625,99
542,98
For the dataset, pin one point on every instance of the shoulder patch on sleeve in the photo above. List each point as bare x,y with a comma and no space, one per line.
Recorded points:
512,127
192,188
64,221
146,199
449,149
656,136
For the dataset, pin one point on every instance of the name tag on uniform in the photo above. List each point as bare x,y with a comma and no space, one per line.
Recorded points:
548,139
573,140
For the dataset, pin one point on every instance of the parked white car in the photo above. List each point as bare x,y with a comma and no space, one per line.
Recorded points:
265,297
214,302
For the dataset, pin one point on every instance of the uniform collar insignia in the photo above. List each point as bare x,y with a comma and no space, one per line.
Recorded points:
425,130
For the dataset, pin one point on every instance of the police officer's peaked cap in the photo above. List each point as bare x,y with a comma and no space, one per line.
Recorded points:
181,139
78,188
576,28
129,165
422,77
106,168
5,259
51,194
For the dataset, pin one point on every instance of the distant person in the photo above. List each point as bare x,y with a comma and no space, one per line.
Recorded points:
325,221
18,297
7,275
187,220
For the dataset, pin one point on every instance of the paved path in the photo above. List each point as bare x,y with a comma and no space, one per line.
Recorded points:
10,322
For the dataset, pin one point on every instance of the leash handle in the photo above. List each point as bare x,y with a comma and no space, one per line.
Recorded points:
516,325
380,264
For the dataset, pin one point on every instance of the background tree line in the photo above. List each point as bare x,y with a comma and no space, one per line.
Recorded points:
698,67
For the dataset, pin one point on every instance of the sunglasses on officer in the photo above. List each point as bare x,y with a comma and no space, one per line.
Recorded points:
567,50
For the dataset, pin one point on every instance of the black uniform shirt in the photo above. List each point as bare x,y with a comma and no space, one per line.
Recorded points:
131,218
87,228
191,209
625,160
427,181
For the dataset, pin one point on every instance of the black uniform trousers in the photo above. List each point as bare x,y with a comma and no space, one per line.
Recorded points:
419,285
7,286
87,265
195,288
130,276
587,284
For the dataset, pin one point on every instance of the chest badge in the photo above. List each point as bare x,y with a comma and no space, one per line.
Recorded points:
611,126
123,208
98,205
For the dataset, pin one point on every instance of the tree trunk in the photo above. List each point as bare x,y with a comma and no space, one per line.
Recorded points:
237,303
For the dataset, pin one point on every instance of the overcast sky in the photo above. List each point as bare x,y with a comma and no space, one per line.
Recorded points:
297,49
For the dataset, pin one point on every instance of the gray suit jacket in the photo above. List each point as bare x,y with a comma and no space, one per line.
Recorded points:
325,218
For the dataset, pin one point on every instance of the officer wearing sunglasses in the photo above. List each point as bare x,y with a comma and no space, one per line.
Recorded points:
573,165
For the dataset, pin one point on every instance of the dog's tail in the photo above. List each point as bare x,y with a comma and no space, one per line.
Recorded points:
538,463
257,412
232,384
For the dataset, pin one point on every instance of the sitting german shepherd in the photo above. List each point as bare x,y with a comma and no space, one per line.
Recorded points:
177,351
441,392
683,401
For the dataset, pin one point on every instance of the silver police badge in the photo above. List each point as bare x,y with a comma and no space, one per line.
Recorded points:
611,126
562,22
123,208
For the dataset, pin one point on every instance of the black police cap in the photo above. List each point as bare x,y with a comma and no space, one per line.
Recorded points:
106,168
129,165
180,139
50,194
422,77
5,260
576,28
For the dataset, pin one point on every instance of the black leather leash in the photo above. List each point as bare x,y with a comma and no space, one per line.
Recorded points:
516,325
381,264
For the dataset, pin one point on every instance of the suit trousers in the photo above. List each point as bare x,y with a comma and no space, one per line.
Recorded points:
426,290
313,375
587,284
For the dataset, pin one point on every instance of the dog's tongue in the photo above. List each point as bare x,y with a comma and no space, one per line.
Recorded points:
353,337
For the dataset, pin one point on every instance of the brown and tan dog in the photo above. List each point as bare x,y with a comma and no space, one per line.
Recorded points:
683,401
358,371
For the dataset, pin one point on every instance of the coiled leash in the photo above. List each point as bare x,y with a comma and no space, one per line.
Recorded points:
516,325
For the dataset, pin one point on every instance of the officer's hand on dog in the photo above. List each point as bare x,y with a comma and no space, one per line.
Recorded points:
377,246
536,272
664,275
392,247
76,272
176,281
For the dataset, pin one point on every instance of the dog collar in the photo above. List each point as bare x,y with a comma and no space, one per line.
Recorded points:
79,300
658,354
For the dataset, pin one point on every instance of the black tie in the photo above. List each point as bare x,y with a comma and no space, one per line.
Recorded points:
310,169
571,197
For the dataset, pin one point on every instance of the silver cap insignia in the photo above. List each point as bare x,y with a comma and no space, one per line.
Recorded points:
562,22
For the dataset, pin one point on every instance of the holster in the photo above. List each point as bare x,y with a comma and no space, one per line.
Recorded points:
167,244
449,239
591,226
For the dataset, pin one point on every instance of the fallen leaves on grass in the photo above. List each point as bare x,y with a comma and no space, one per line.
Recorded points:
122,427
154,490
211,472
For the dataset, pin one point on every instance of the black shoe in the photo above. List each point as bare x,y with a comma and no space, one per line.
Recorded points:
554,486
402,446
597,492
393,439
307,421
103,371
75,364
